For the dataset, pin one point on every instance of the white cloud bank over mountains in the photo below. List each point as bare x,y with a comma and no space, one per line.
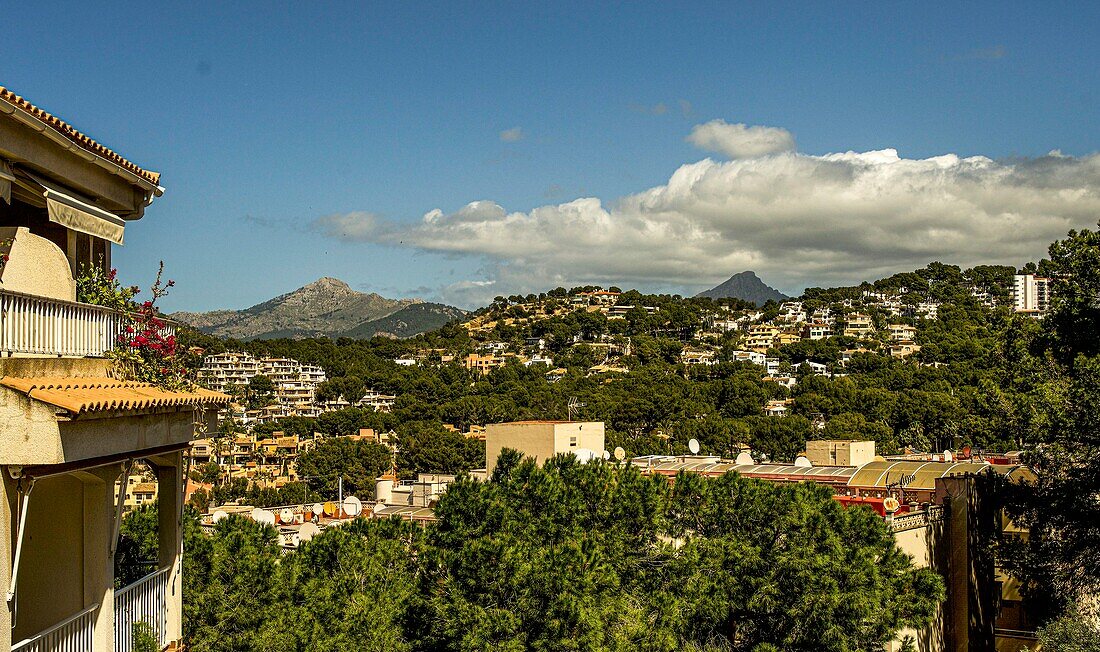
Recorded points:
795,219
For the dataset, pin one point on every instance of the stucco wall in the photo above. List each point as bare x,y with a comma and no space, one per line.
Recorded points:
35,266
51,586
541,440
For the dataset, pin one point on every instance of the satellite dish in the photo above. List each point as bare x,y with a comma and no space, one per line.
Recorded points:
607,454
744,458
286,516
219,515
891,505
620,453
693,446
308,531
352,506
966,452
318,509
261,515
948,457
803,462
584,455
330,508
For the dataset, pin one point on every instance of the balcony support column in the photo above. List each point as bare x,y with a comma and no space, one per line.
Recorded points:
170,487
8,498
99,561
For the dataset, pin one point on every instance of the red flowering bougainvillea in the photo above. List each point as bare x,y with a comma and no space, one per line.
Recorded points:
145,350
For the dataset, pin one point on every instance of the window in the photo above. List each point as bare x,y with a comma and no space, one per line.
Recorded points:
572,442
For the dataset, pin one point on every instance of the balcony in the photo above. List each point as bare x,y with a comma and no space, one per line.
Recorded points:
144,601
39,326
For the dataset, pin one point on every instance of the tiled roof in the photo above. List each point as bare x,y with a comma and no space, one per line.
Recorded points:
82,395
70,132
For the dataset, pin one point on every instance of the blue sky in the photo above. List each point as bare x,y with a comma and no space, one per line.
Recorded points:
300,141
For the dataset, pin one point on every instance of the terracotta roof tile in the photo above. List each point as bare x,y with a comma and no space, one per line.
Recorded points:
81,395
70,132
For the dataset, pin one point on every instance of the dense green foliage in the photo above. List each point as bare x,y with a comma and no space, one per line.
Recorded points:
566,556
1061,363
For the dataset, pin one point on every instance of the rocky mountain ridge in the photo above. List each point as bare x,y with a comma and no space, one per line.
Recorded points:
326,307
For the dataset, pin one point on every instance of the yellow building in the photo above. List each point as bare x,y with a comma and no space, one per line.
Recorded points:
70,431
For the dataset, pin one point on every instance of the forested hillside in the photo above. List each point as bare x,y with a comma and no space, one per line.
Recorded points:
964,387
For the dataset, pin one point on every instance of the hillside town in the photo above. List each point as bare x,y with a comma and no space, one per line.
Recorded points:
532,418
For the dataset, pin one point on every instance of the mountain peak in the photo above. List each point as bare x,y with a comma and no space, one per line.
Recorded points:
325,307
326,282
746,286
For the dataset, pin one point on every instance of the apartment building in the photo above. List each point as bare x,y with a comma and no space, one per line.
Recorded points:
222,371
295,383
483,363
1031,294
858,324
542,440
902,332
71,431
761,337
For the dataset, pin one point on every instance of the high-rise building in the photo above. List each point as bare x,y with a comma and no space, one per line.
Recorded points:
1031,294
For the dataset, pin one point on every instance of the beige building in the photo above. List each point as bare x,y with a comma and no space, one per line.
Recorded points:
859,325
840,452
70,430
542,440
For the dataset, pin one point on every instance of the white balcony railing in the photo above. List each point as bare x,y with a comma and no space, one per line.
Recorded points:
31,325
144,601
74,634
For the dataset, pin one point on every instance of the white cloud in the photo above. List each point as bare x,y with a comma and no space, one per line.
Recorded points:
795,219
512,135
740,140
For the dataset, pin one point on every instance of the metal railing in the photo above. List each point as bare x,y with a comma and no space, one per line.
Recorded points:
74,634
913,520
42,326
144,601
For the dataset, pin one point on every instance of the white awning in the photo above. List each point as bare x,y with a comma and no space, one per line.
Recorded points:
77,214
6,178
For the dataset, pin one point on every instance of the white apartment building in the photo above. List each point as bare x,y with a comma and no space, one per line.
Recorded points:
223,370
295,383
1031,294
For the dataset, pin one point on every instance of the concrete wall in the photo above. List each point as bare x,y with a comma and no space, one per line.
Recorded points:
923,544
51,577
840,452
541,440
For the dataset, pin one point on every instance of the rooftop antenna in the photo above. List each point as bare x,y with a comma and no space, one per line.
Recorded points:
573,407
